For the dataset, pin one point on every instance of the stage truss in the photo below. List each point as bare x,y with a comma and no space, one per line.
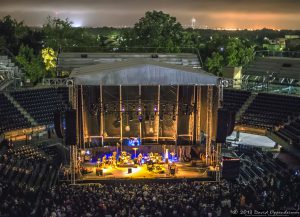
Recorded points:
212,151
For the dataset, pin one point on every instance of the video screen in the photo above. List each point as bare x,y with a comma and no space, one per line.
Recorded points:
132,142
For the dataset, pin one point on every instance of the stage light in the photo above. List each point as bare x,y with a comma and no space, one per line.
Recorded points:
127,128
123,109
140,118
151,130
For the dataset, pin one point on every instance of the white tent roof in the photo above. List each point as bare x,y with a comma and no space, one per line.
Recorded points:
141,72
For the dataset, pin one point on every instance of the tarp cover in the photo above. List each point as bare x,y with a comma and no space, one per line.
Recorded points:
140,72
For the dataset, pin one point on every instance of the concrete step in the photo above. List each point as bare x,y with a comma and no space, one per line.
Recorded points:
245,106
4,84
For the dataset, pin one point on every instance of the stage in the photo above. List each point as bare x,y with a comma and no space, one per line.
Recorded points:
140,172
147,106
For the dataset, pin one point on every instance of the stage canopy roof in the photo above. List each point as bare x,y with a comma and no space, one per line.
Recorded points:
141,72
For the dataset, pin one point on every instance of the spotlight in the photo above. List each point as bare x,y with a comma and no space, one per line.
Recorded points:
151,130
127,128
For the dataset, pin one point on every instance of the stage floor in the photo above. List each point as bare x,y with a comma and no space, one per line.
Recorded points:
184,171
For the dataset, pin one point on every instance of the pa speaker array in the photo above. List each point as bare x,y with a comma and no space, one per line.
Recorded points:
71,127
70,132
226,121
58,124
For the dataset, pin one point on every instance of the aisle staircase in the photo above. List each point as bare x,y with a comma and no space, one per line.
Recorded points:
245,106
9,71
21,109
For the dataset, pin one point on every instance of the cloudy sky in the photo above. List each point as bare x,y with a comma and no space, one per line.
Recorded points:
276,14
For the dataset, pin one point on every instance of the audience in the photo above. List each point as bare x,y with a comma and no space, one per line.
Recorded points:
277,190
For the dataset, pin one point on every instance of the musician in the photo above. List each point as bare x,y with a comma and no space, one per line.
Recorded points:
104,159
140,157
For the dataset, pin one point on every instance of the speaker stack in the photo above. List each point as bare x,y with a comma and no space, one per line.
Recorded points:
226,121
99,172
70,132
71,127
58,124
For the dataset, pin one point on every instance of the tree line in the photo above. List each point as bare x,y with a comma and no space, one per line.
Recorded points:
36,49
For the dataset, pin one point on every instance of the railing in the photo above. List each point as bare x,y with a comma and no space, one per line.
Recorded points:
90,49
58,82
261,86
267,53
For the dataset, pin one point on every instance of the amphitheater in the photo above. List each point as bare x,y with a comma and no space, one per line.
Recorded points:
34,159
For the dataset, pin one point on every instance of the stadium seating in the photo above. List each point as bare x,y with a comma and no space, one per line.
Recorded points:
270,110
42,103
234,99
10,117
281,67
30,164
8,71
291,132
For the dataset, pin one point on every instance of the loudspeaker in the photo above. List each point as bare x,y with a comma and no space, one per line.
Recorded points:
99,172
57,124
172,171
71,127
231,123
222,128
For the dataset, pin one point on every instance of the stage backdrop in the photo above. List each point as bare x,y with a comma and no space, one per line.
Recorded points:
155,114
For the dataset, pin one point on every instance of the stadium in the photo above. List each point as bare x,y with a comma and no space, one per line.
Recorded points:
148,131
106,124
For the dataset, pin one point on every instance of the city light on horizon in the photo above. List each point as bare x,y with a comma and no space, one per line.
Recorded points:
231,14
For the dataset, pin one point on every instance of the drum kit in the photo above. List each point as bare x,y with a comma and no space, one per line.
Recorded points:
154,158
111,160
125,158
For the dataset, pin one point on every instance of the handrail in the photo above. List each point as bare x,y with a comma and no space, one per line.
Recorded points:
268,53
129,49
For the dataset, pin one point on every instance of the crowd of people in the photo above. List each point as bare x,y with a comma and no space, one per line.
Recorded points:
182,198
17,200
277,190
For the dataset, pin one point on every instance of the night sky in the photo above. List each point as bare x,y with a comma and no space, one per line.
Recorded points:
254,14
